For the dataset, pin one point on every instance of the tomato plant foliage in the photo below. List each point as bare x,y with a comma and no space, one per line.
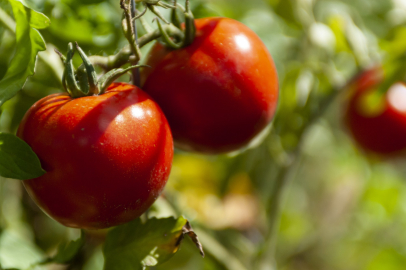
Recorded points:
17,159
339,202
151,147
28,43
137,245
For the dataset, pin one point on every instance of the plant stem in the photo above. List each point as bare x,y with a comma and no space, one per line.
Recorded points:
146,25
266,256
135,72
170,29
128,28
218,251
125,54
266,259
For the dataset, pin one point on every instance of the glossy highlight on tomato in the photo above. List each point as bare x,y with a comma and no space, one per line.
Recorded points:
378,128
107,157
217,93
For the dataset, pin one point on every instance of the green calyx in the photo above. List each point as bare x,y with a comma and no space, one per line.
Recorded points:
83,81
190,27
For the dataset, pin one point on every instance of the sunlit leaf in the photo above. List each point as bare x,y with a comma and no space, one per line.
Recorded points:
136,245
28,43
18,252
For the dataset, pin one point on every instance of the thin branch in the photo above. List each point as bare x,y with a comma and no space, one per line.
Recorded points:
266,255
136,78
215,249
124,55
128,28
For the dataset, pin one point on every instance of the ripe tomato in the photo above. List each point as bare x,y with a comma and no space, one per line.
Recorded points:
377,122
217,93
107,157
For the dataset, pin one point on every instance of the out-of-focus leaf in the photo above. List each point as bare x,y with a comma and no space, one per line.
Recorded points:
29,42
87,2
17,160
78,30
285,9
96,260
337,25
289,93
396,44
202,10
136,245
67,251
88,25
389,259
17,252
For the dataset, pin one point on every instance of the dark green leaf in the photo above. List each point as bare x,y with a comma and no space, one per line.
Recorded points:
136,245
285,9
28,43
17,160
67,251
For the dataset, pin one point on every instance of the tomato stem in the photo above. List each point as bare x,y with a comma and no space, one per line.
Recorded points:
129,29
168,32
175,16
90,72
125,54
138,16
72,86
86,75
112,75
167,39
135,72
147,27
157,13
63,58
190,27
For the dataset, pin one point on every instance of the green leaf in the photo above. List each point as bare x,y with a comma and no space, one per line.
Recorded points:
203,10
17,160
136,245
28,43
67,251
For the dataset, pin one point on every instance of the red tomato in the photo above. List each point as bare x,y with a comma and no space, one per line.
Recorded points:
107,157
381,127
219,92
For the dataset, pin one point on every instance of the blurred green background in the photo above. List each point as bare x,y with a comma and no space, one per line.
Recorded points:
340,209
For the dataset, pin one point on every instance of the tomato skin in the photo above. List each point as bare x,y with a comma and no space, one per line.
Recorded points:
107,157
384,132
217,93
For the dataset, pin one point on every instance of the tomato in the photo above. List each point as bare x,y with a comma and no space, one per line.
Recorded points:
217,93
107,157
378,122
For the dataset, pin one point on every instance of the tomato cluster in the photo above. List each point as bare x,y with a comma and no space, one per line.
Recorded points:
109,156
377,121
